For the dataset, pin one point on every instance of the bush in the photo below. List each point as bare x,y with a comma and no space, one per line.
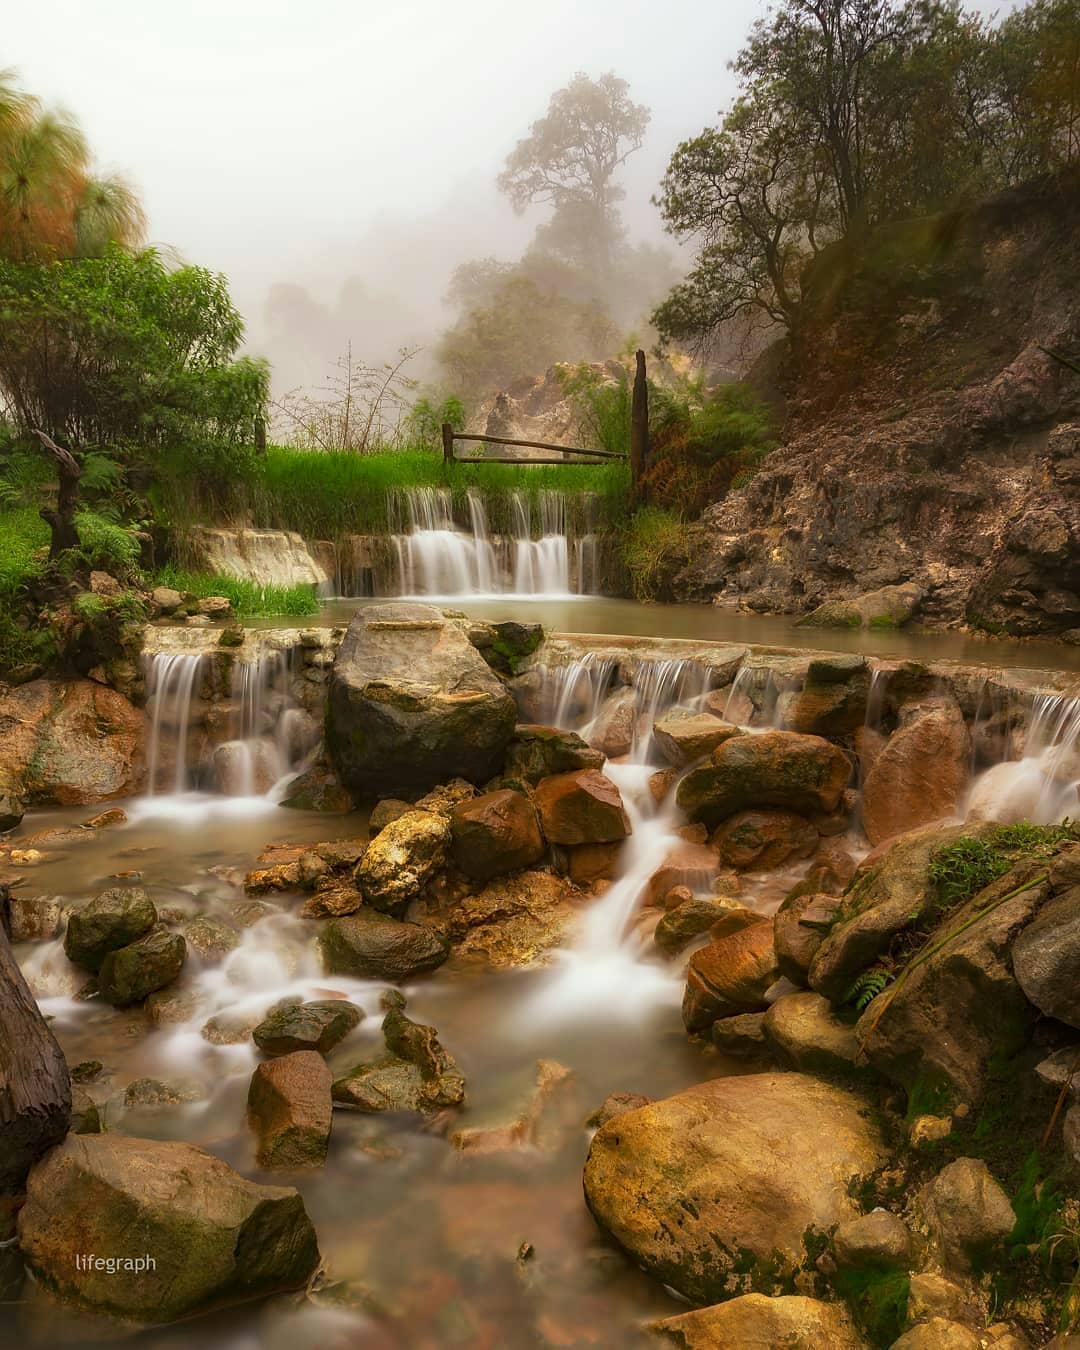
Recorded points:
602,404
105,545
653,548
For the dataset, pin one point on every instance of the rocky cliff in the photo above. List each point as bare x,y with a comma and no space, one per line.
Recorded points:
929,438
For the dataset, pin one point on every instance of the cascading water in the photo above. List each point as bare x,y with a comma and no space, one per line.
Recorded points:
434,556
172,684
1043,785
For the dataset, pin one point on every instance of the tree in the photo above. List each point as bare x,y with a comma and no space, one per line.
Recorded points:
51,204
568,161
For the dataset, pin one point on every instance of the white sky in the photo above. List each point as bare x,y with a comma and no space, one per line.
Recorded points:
313,140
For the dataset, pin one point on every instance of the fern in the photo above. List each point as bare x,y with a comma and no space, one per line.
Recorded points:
867,987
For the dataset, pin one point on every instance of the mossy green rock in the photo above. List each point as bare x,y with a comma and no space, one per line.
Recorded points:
110,921
306,1026
374,946
214,1237
129,975
416,1073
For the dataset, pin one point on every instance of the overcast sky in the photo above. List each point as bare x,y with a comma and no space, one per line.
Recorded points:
308,141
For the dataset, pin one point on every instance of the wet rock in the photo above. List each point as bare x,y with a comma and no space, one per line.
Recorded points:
612,731
583,807
412,702
682,738
741,1036
87,1071
243,768
526,1129
714,1191
806,1031
210,937
679,927
938,1334
290,1110
661,783
1065,869
127,976
832,701
142,1092
375,946
445,798
506,645
616,1104
967,1212
306,1026
415,1074
231,1027
514,921
106,819
111,920
85,1116
1046,958
318,789
759,841
688,865
751,1321
385,812
875,1239
800,927
36,918
922,775
215,1237
496,833
587,863
332,903
932,1295
731,975
538,752
401,859
888,607
961,1006
804,774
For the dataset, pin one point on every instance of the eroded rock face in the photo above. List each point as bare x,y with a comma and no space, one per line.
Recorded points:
412,702
584,807
375,946
215,1237
713,1190
496,833
401,859
922,774
792,1321
290,1110
805,774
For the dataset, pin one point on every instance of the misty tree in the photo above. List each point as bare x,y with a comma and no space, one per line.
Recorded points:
568,161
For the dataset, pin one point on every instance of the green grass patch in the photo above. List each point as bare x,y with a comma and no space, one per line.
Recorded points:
878,1301
325,496
22,534
247,599
653,545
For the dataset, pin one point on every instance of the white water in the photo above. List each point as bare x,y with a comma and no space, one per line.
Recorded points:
1043,785
435,557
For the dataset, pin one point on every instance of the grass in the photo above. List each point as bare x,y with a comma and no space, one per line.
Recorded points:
653,544
246,598
22,533
325,496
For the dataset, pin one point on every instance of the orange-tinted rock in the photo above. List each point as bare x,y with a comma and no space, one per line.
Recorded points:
800,926
690,865
587,863
731,975
290,1109
581,808
495,833
762,840
921,775
684,737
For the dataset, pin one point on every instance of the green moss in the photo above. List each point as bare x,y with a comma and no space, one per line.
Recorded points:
878,1301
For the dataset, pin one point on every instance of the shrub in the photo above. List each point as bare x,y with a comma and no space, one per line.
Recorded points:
653,547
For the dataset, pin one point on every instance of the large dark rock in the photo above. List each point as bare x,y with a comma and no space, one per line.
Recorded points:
495,833
214,1237
412,703
538,752
110,921
376,947
306,1026
1046,958
133,972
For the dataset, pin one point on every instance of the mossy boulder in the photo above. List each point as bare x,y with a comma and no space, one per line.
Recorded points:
319,1025
888,607
415,1074
111,920
215,1237
131,974
374,946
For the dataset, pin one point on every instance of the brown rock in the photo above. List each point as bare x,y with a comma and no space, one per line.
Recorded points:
690,865
810,1035
938,1334
583,807
754,1322
922,774
514,921
613,729
679,927
616,1104
683,738
758,841
801,924
495,833
537,752
593,862
290,1109
730,975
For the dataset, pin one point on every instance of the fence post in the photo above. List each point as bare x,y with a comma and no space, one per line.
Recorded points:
639,434
447,443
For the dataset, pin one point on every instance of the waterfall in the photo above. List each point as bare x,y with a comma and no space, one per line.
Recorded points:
1043,784
435,556
171,687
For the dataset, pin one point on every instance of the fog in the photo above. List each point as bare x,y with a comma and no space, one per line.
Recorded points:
350,149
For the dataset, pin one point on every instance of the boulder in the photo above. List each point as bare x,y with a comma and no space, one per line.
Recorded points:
445,798
875,1239
290,1110
800,927
716,1191
613,729
514,921
385,811
758,841
731,975
318,789
583,807
165,600
1046,958
932,1295
110,921
922,774
537,752
679,927
496,833
938,1334
411,702
587,863
374,946
967,1213
888,607
128,975
616,1104
754,1322
507,644
306,1026
402,859
684,737
687,866
806,1032
778,768
741,1036
209,937
214,1237
415,1074
832,701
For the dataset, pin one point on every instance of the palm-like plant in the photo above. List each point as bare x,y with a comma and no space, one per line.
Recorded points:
51,205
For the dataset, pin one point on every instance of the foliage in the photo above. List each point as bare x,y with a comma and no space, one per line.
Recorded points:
122,351
568,161
964,867
246,598
867,987
601,403
24,541
105,545
878,1300
359,408
852,113
51,203
424,423
653,546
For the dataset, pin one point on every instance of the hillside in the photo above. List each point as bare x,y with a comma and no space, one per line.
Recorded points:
928,438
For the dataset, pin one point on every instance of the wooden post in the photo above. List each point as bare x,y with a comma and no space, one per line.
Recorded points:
639,434
260,435
447,443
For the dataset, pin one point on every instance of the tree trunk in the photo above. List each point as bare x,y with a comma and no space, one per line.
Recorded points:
35,1086
639,434
62,520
